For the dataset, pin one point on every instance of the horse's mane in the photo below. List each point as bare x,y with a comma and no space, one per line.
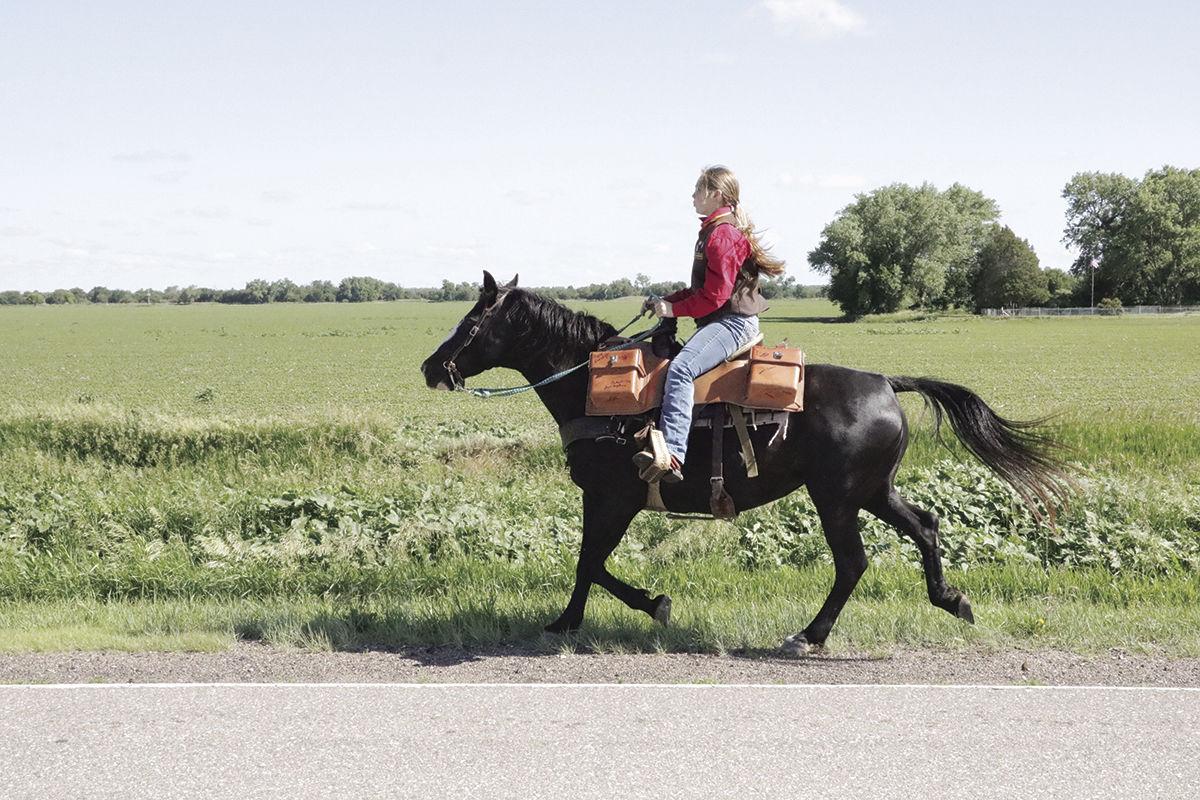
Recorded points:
552,329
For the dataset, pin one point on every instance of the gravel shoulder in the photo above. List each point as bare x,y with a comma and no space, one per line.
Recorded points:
256,663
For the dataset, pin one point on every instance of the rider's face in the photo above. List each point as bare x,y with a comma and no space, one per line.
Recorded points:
705,201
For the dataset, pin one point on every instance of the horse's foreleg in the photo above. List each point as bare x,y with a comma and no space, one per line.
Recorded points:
839,521
922,527
605,520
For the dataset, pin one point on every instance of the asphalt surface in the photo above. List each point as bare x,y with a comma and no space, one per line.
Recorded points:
530,741
256,663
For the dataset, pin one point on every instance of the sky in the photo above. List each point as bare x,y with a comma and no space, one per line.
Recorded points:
149,144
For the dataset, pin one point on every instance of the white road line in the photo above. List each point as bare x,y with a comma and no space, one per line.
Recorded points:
689,686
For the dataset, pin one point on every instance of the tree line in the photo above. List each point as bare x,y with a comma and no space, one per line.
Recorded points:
359,290
904,246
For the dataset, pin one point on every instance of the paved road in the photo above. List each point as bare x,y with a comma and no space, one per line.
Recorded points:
528,741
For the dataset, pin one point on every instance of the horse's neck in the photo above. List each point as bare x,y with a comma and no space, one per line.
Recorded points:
565,398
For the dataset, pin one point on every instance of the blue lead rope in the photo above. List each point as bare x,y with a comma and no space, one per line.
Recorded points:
559,375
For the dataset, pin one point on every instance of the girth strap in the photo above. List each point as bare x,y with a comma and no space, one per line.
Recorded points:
598,428
719,501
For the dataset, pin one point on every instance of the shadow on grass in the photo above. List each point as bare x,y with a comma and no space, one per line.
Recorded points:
473,635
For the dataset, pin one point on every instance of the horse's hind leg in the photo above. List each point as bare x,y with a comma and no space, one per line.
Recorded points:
839,521
659,608
605,520
922,527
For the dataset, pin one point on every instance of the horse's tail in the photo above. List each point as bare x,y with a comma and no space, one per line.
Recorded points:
1021,454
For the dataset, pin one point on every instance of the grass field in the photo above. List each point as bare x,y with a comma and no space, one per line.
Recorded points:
176,476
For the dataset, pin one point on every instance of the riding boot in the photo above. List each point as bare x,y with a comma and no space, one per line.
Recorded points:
655,461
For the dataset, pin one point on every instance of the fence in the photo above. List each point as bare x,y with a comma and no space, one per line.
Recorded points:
1087,312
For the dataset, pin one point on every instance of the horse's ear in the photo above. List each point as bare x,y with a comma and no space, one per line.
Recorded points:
511,284
488,293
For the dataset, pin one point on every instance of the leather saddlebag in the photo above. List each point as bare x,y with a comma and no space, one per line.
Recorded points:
775,378
615,381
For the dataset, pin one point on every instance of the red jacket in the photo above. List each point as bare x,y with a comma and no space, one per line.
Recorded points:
726,251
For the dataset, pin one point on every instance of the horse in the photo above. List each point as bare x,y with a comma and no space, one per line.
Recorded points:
845,447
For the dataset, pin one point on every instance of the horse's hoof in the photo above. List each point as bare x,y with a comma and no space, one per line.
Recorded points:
662,610
798,645
561,626
963,611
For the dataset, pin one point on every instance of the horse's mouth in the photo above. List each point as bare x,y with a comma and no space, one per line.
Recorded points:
435,381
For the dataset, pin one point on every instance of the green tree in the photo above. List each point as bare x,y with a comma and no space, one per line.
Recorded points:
60,297
359,290
257,291
319,292
33,298
1143,235
1008,274
284,291
904,246
1061,286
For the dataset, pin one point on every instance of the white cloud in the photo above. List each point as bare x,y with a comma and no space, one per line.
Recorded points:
170,176
527,197
206,212
451,253
841,182
816,19
152,157
372,205
833,181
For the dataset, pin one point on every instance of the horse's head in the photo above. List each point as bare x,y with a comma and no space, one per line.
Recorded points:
477,343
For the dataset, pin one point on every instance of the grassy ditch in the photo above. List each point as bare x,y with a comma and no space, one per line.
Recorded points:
717,609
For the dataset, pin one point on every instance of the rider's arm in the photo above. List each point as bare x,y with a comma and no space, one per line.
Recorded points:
726,251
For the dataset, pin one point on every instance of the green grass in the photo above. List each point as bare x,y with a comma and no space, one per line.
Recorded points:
182,476
306,361
715,610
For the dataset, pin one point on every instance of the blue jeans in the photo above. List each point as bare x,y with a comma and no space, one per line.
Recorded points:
708,347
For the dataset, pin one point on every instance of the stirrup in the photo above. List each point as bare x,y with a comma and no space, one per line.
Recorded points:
655,460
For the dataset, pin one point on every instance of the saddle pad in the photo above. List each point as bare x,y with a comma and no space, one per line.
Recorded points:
633,384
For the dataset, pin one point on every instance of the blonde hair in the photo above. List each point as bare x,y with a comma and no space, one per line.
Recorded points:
722,180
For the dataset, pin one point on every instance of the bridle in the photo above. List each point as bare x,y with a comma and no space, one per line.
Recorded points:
456,380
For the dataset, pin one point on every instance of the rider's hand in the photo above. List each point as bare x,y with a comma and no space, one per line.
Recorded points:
662,309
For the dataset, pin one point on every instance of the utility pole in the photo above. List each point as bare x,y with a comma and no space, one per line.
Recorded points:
1095,265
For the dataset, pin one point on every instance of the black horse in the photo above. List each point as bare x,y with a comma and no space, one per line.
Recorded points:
845,447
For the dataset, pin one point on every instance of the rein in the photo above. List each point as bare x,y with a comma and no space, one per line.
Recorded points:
456,380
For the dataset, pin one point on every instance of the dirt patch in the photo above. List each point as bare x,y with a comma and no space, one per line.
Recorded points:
255,663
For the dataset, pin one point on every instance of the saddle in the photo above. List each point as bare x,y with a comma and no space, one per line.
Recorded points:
630,381
752,381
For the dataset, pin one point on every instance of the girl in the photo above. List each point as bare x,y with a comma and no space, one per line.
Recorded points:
723,297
